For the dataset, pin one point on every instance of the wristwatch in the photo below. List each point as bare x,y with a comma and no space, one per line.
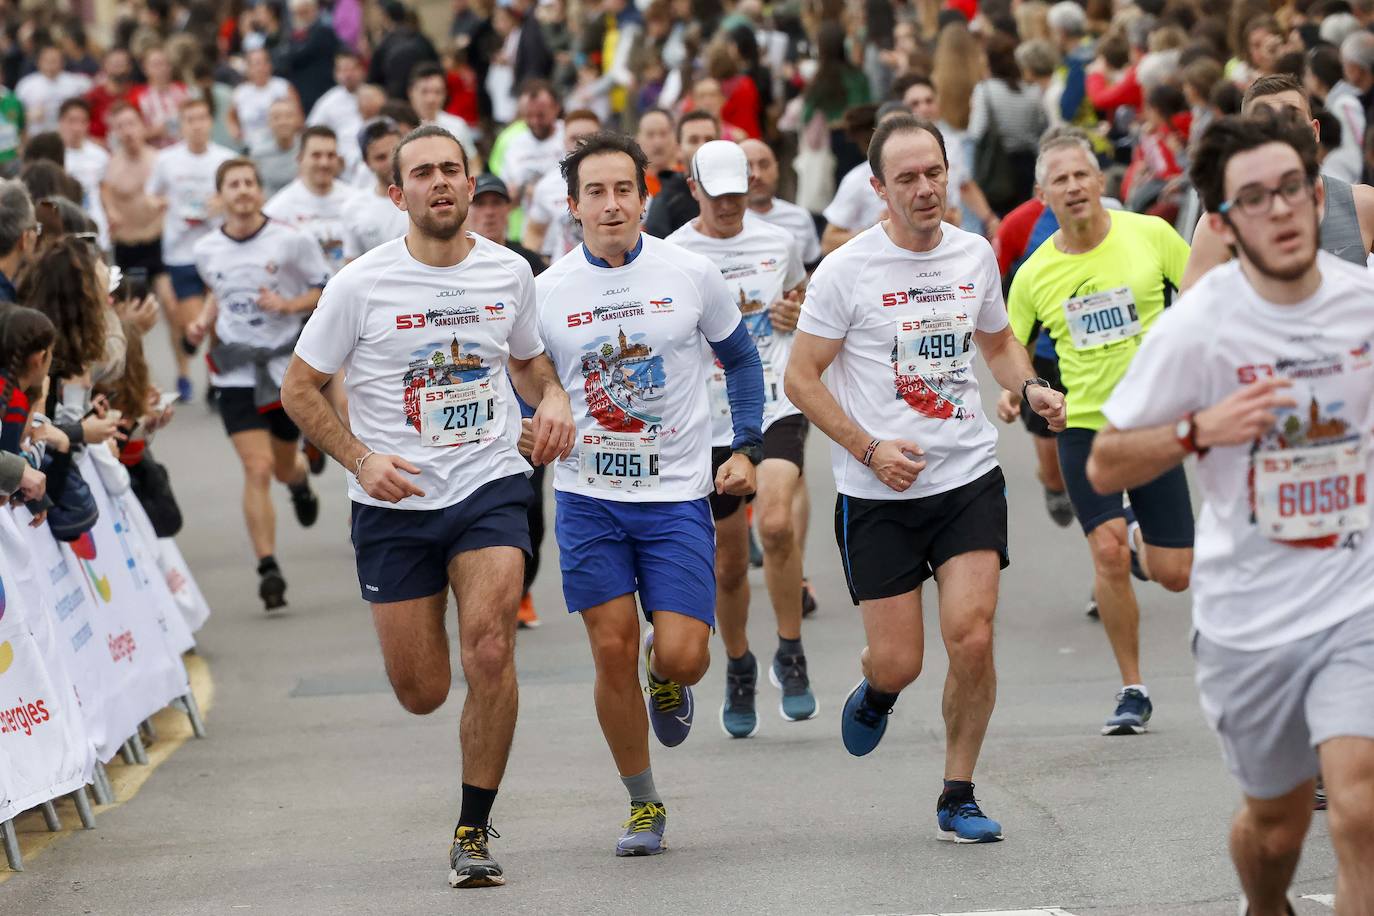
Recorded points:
1034,381
1185,431
753,452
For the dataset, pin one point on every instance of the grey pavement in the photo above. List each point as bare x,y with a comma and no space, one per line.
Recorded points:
317,794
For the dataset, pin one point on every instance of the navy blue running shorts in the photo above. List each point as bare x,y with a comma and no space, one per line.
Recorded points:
186,281
1162,506
403,554
664,551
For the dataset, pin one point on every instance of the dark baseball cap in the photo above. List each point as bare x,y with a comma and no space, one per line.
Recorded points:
489,182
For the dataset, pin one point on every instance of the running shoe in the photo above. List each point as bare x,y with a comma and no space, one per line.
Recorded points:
670,703
313,457
272,589
862,726
964,822
526,618
1319,799
1059,507
809,605
1133,711
1091,609
184,390
470,862
755,551
306,504
644,830
788,674
738,716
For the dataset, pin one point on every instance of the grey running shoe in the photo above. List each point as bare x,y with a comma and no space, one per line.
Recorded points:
470,863
738,716
788,674
1091,609
644,830
1059,507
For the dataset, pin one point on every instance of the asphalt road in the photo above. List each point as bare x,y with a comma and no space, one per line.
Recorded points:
316,793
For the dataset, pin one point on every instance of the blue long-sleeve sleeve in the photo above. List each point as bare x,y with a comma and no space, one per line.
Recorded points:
1075,87
743,384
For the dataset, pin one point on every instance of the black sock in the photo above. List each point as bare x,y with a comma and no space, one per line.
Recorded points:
876,699
742,664
268,564
477,802
956,791
789,646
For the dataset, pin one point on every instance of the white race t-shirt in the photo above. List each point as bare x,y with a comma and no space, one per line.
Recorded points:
87,164
426,350
276,257
907,320
527,158
337,109
856,206
251,104
320,216
758,266
549,206
371,219
798,223
42,97
1252,591
627,343
187,180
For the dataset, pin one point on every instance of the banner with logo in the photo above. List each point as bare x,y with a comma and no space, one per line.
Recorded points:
195,610
145,569
44,749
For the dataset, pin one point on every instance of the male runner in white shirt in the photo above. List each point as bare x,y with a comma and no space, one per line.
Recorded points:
316,202
1264,369
763,202
627,318
549,228
898,315
263,276
435,327
371,218
762,268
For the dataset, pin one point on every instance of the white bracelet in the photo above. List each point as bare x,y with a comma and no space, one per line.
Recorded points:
358,465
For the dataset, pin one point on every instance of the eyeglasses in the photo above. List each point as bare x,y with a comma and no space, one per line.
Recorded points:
1257,200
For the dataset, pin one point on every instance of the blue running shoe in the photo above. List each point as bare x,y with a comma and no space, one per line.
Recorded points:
862,726
644,830
788,674
184,390
1133,711
670,703
737,714
964,822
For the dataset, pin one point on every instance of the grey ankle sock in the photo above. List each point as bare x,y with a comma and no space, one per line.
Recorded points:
641,787
789,646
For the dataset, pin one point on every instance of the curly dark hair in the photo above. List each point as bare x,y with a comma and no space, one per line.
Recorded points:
129,393
61,283
1235,134
604,141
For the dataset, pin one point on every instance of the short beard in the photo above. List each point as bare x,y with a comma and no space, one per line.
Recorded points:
1263,266
432,228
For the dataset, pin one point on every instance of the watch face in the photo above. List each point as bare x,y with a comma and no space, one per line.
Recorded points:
1183,428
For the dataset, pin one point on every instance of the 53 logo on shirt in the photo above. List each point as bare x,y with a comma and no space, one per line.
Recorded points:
407,322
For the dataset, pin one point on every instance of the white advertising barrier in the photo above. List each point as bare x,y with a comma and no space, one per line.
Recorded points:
44,749
145,569
195,610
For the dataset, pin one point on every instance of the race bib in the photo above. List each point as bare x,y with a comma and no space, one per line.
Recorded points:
1098,319
720,397
625,462
193,209
457,414
1303,493
772,387
938,343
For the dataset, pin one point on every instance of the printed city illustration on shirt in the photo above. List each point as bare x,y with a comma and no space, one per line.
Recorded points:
624,381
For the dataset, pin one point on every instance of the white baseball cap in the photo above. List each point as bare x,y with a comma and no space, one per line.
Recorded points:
720,167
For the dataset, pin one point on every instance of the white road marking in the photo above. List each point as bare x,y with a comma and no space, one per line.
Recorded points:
1323,899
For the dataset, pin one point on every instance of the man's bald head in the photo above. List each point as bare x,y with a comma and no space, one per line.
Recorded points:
763,173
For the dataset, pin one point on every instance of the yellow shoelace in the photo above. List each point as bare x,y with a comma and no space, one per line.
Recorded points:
666,695
473,841
642,816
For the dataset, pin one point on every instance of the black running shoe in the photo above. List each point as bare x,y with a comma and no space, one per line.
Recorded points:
314,457
272,589
808,598
306,504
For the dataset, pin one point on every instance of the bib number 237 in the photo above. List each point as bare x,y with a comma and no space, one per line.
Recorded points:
457,414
